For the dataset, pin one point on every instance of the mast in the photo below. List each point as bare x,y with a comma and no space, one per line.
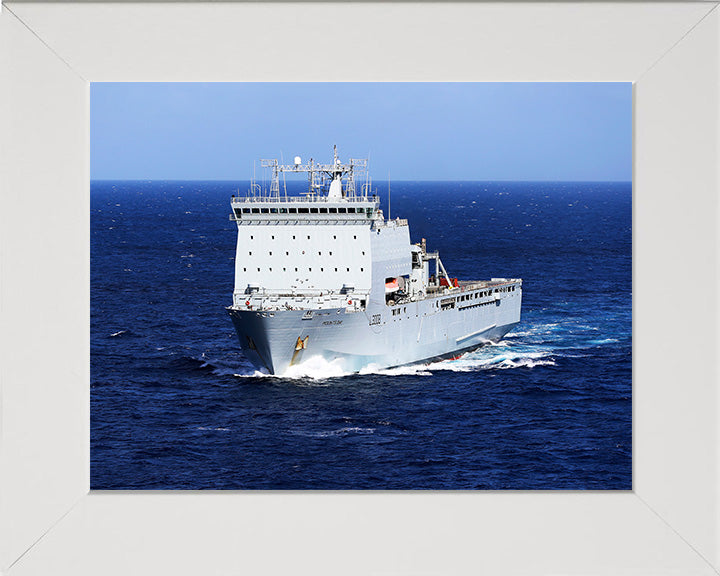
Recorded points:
320,176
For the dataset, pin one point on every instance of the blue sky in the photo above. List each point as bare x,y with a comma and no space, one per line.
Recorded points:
411,131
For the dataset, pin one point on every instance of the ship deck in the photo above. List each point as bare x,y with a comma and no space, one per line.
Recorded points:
469,285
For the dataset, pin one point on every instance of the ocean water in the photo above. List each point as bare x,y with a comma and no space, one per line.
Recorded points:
175,405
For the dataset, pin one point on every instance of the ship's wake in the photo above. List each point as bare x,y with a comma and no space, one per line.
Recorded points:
503,355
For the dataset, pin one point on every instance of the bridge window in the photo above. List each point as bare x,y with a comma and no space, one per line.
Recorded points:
256,210
246,210
283,210
313,210
332,210
303,210
323,210
264,210
238,213
351,210
293,210
342,210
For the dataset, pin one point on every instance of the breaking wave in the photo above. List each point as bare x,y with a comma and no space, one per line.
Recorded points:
491,357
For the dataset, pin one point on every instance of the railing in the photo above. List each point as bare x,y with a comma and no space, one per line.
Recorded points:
314,198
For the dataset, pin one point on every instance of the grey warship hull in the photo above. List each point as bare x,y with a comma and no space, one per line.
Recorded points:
421,332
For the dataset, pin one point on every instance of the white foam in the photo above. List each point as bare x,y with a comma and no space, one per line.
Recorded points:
604,341
501,356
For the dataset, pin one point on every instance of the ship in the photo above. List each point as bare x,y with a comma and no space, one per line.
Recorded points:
325,274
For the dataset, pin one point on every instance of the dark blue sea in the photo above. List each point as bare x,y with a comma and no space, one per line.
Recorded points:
175,405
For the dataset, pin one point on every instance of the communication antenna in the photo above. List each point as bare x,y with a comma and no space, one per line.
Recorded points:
284,181
252,186
389,196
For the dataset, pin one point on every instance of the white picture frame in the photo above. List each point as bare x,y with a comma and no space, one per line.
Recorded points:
51,523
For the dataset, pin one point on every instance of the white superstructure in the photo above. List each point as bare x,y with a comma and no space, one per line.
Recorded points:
326,274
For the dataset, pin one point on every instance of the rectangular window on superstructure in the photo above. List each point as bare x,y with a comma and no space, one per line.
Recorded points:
283,210
313,210
273,210
238,213
351,210
293,210
303,210
265,210
246,210
256,210
323,210
342,210
332,210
